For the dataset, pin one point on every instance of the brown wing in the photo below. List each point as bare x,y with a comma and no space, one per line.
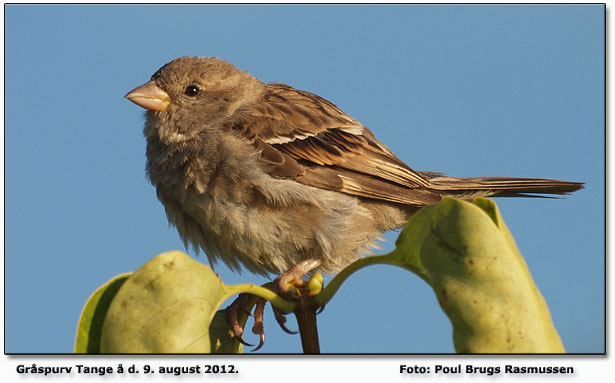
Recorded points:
304,136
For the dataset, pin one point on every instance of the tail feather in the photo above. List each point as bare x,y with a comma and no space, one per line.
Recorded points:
501,186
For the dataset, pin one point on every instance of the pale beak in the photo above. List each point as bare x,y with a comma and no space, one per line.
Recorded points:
149,96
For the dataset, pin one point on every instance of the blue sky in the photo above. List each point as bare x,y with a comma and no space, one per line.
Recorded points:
469,90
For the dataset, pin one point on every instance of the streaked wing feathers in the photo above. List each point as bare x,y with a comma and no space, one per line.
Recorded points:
294,130
302,136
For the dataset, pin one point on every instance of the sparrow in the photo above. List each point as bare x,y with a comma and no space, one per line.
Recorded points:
274,179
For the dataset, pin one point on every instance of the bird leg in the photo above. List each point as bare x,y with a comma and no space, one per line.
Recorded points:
290,284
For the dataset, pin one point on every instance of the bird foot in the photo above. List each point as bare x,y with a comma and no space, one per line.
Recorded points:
231,312
289,285
241,304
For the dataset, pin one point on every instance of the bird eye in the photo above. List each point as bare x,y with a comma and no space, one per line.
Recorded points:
192,91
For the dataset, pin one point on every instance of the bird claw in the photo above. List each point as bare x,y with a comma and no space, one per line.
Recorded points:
231,317
257,328
281,319
240,340
242,304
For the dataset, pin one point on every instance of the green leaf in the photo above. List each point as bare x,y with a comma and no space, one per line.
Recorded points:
221,337
408,245
481,280
93,315
169,306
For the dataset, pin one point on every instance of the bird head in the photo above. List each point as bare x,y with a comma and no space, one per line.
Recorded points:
190,94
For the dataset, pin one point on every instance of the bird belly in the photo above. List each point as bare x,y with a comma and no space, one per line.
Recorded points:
272,231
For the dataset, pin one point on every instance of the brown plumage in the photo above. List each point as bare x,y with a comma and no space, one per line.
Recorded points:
266,176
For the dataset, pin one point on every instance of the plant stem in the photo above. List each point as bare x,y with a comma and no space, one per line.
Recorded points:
325,296
306,318
264,292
